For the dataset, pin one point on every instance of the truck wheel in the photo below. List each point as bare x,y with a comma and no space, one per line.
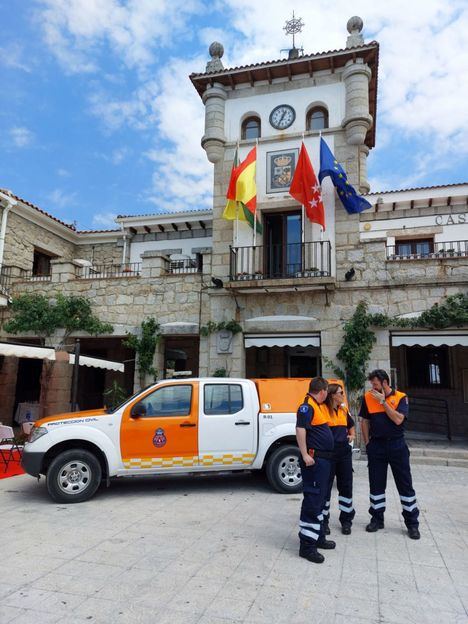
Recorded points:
73,476
283,470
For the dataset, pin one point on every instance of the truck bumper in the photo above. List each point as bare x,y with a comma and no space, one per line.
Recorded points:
32,463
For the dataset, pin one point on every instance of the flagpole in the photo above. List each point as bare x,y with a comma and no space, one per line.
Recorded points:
303,212
255,214
237,204
321,227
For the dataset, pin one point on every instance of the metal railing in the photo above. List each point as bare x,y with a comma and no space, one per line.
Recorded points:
445,249
5,278
438,412
299,260
105,271
31,276
185,265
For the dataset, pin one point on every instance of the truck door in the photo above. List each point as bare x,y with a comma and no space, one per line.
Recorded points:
227,425
160,430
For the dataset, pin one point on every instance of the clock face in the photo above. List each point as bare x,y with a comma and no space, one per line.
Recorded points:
282,116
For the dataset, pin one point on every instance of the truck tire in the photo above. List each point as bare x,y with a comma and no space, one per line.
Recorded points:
73,476
283,470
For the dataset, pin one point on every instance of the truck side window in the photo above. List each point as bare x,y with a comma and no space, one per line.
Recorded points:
223,399
169,401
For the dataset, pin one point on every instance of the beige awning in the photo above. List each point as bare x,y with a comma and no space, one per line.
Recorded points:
44,353
282,340
430,339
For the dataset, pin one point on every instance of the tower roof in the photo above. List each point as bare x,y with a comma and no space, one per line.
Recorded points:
287,68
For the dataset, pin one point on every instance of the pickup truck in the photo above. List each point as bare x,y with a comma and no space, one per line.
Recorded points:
183,426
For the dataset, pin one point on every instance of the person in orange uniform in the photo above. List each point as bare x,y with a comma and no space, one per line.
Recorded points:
383,414
315,442
342,426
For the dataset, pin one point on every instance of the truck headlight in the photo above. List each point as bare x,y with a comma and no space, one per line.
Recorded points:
36,433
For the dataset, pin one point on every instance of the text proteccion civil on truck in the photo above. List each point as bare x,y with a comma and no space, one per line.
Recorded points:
183,426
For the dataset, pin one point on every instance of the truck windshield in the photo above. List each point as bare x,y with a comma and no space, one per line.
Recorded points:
112,410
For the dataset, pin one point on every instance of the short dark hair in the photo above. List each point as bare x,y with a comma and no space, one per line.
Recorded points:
380,374
317,384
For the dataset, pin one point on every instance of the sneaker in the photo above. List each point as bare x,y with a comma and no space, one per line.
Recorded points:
346,529
326,544
374,525
414,533
309,552
326,527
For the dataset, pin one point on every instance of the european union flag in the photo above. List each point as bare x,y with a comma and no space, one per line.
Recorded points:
329,166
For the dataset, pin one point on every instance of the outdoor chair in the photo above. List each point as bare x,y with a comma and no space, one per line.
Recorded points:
8,446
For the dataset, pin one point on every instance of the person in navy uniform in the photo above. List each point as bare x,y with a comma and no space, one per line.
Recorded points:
383,414
315,442
341,466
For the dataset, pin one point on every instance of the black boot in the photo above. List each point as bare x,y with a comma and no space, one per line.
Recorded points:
414,533
325,544
326,527
346,528
309,552
374,525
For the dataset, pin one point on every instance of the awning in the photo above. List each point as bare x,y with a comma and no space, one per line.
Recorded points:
282,340
430,339
43,353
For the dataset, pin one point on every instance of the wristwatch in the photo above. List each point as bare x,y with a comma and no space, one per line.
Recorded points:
382,401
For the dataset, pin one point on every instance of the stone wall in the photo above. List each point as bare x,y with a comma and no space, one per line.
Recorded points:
22,236
100,253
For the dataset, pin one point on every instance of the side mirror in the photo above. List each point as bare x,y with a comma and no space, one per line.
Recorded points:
138,411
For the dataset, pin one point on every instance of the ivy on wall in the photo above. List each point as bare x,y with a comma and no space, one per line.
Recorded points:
145,346
359,337
211,327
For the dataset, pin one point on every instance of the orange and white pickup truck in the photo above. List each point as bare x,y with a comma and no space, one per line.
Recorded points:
183,426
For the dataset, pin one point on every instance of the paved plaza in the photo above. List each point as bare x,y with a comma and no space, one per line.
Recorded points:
222,549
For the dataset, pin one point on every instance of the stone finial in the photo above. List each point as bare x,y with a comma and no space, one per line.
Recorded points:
216,51
354,26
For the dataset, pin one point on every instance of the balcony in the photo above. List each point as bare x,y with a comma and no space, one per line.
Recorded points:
184,265
296,266
107,271
439,251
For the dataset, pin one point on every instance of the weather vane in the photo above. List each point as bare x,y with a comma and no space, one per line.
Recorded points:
293,27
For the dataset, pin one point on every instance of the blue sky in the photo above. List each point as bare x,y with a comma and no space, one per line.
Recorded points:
98,116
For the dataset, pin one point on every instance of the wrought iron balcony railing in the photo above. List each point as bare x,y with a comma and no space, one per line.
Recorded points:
185,265
105,271
297,260
445,249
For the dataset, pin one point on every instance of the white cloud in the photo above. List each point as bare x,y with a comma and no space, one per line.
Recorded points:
60,199
76,31
63,173
105,220
12,55
21,136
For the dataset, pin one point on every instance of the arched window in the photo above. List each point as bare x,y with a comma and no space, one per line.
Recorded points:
251,128
317,118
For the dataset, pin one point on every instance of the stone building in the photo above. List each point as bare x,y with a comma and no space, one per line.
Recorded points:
291,288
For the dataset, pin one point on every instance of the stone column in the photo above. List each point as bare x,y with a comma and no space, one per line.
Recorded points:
214,139
8,374
56,381
62,271
154,264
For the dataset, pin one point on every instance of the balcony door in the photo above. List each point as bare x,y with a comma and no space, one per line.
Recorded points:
283,244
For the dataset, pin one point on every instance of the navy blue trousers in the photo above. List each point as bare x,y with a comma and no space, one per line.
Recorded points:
315,483
384,452
341,467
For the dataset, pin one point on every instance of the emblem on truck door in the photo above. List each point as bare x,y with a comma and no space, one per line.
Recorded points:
159,438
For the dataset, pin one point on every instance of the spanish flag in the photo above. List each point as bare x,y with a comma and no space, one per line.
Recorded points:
242,191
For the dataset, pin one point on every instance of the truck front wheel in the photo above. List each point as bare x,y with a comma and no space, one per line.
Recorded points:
283,470
73,476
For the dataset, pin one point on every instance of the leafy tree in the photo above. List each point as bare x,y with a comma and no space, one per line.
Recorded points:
44,317
145,346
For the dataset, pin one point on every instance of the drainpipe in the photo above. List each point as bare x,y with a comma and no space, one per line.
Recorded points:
124,252
6,210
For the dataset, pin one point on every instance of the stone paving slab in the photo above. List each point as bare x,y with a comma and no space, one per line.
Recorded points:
223,550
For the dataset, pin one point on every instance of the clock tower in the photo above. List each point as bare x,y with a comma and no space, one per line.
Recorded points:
274,106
